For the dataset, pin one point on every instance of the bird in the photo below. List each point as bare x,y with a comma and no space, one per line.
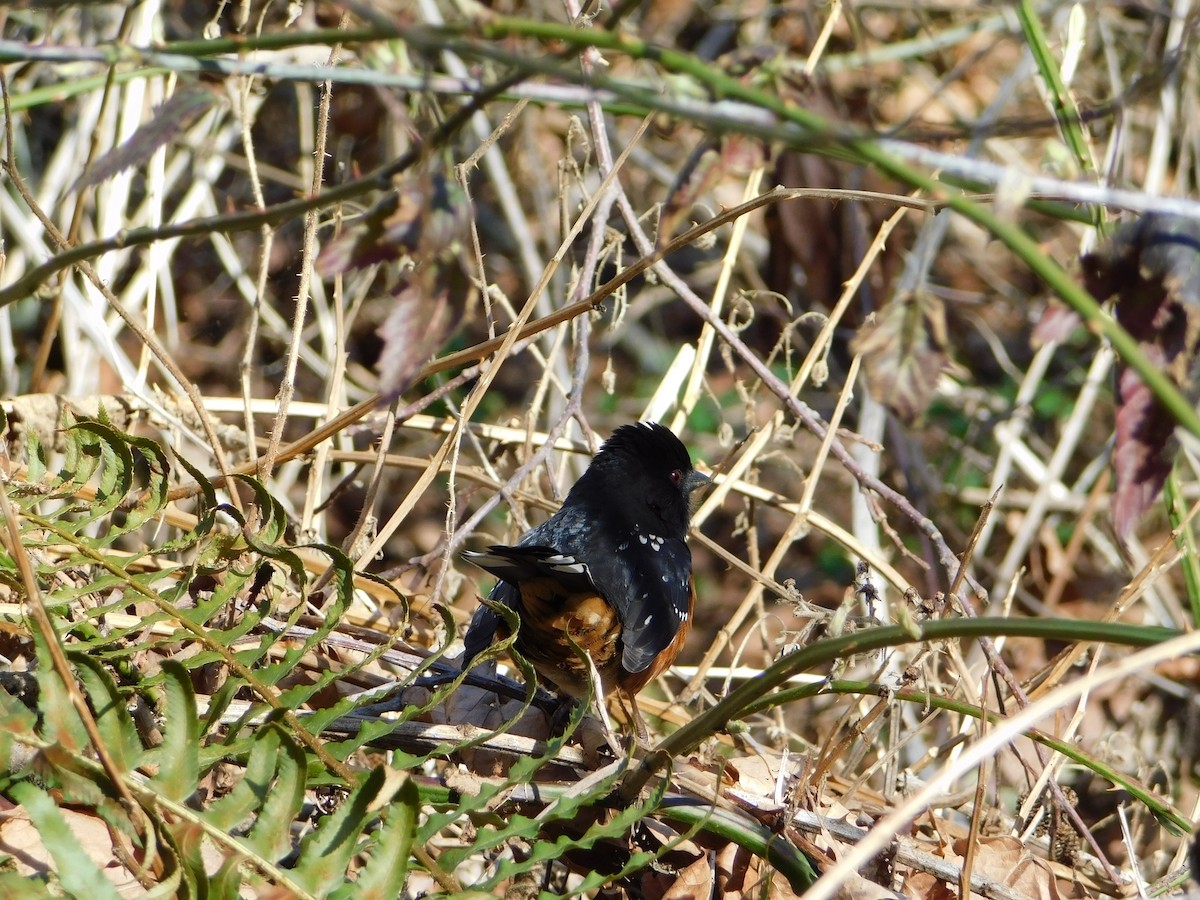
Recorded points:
610,573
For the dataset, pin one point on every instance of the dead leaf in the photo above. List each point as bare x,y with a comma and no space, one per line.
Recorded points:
1152,265
697,880
424,218
166,122
904,352
1005,860
22,844
412,333
1056,324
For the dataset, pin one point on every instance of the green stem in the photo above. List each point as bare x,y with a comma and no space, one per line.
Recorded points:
735,704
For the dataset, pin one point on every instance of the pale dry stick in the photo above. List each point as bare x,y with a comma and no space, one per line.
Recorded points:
1079,533
818,50
725,483
1050,771
1131,850
494,163
974,829
1179,860
510,338
266,242
590,58
507,488
1072,432
824,339
573,410
55,179
167,175
461,172
122,124
1166,122
1046,768
455,537
287,385
1140,584
1160,598
158,258
336,394
740,565
1008,433
608,192
51,187
604,161
1162,559
826,526
885,829
798,526
549,377
818,463
755,442
666,392
364,524
802,520
1061,498
704,345
142,333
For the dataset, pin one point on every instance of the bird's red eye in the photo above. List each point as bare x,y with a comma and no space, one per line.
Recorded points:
676,476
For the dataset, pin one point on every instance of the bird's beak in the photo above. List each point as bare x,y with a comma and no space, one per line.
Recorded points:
696,480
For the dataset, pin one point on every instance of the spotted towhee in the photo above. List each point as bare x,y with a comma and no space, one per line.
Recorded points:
610,572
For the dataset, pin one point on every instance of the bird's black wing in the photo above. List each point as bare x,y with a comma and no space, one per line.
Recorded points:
513,565
648,581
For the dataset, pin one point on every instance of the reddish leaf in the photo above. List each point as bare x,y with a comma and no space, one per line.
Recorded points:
412,333
1056,324
1153,266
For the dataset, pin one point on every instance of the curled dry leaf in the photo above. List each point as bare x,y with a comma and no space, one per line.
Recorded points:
1153,267
904,352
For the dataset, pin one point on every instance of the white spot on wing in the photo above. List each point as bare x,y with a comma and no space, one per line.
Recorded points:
646,621
654,541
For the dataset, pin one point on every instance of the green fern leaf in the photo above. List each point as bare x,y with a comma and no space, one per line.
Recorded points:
79,876
113,721
271,837
325,854
178,758
384,875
